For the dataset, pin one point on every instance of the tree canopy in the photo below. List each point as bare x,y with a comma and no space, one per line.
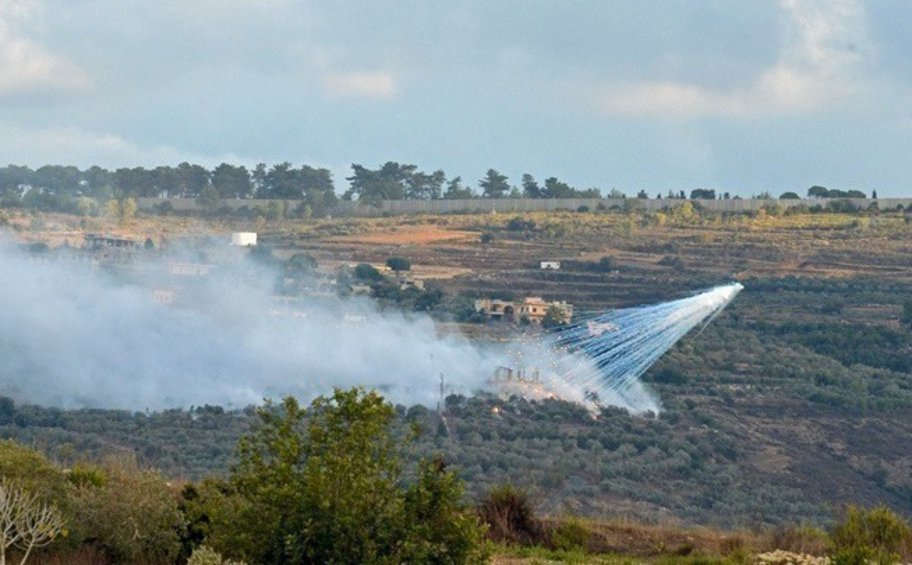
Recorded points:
324,485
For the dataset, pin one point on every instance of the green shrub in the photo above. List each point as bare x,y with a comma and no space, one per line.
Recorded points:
877,535
32,471
207,556
509,515
131,516
570,534
87,476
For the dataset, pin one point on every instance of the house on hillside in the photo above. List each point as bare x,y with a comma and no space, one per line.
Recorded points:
532,308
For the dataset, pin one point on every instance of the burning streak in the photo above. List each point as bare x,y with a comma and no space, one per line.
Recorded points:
600,360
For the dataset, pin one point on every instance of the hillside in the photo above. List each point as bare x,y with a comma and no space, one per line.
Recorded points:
796,400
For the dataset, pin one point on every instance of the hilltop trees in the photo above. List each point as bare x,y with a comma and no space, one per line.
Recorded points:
554,188
703,194
66,188
494,184
392,181
530,187
283,181
456,190
823,192
232,182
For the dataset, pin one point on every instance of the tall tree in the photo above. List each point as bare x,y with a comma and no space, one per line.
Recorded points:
530,187
166,182
192,179
56,179
134,182
817,191
557,189
425,186
455,190
231,181
316,188
494,184
389,182
282,182
14,178
258,177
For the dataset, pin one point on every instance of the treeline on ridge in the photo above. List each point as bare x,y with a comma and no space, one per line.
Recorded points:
58,187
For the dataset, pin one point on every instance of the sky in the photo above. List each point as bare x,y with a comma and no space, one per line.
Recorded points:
742,96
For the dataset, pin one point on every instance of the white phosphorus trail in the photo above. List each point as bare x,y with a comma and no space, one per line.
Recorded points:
599,360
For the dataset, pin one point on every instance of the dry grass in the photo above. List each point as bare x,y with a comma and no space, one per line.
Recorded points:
408,235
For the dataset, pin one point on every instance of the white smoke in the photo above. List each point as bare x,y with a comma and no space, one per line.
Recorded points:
72,336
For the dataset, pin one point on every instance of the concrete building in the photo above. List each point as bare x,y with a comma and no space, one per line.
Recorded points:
550,265
532,308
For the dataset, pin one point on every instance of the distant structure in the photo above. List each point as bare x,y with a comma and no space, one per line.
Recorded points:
532,308
521,381
406,283
244,238
184,269
550,265
505,374
110,249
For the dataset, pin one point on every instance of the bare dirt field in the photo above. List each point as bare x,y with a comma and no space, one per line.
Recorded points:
408,235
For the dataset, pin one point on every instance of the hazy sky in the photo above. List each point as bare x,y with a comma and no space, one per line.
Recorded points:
737,95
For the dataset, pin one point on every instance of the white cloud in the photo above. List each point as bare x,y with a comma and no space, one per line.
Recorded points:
75,146
817,69
26,65
371,84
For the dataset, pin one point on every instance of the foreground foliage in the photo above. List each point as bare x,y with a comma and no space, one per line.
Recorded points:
327,485
324,485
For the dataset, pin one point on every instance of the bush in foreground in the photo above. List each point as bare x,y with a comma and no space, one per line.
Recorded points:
877,535
324,485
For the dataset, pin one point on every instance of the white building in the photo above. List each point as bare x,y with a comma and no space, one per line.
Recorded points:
244,238
550,265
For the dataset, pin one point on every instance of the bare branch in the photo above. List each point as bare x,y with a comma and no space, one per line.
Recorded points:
25,521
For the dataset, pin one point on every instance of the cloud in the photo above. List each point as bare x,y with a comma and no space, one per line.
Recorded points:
40,146
816,70
370,84
26,65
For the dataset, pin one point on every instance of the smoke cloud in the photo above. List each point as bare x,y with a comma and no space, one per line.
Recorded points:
75,336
